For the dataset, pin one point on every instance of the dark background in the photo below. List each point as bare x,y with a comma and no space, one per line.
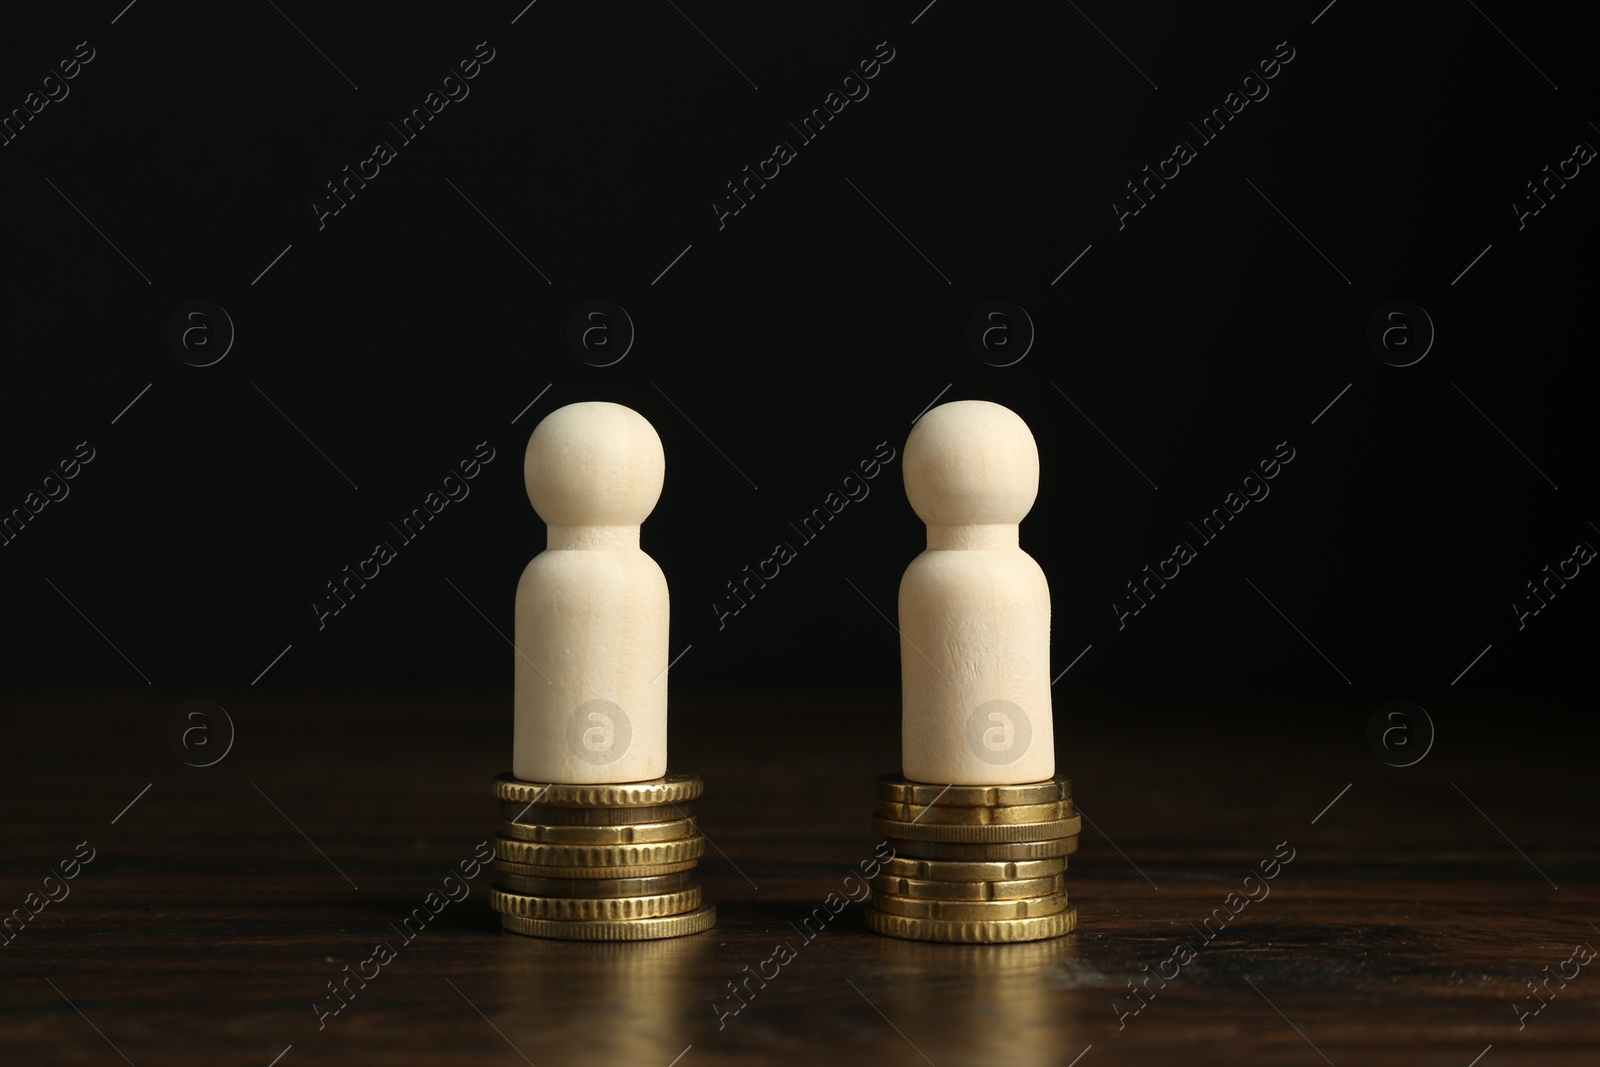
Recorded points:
802,334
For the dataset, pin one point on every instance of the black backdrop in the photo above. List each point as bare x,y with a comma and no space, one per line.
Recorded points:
375,350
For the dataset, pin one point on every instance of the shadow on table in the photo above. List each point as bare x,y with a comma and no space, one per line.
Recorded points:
979,1003
623,1002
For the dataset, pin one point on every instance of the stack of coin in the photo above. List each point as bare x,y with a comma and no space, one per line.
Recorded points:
974,863
603,862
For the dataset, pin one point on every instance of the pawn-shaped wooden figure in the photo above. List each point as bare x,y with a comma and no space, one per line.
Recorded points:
974,608
592,609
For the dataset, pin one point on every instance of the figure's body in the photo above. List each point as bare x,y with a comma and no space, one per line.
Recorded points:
974,608
592,609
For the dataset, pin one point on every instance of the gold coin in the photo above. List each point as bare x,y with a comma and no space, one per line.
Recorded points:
897,789
600,874
1019,831
970,910
639,834
647,886
589,909
692,922
688,848
1008,889
551,815
672,789
992,931
971,870
932,814
1001,850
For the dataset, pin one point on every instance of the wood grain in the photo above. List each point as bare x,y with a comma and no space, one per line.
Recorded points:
206,926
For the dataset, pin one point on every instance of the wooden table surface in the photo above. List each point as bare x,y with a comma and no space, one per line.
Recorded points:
216,908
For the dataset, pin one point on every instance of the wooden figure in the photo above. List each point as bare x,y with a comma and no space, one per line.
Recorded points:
592,609
974,608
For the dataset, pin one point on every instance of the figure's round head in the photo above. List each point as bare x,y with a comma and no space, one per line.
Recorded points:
594,464
971,461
